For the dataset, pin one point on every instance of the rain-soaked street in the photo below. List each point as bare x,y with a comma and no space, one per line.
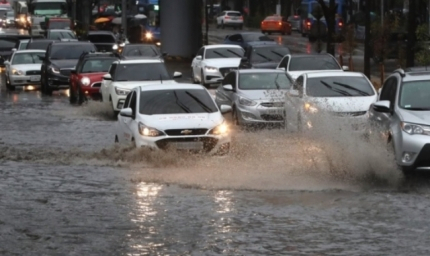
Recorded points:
67,189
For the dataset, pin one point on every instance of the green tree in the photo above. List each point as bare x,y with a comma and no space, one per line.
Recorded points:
422,55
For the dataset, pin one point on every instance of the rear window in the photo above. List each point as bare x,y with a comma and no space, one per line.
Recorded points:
234,14
69,51
38,45
252,37
140,51
8,43
60,35
101,38
272,18
59,24
313,63
95,66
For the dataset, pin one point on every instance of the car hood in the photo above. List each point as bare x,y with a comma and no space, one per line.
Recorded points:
224,62
183,121
25,67
133,84
64,63
418,117
264,95
343,104
296,74
266,65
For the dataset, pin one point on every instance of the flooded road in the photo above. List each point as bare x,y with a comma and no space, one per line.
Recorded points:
67,189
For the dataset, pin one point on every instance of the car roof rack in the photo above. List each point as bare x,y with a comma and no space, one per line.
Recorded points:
400,71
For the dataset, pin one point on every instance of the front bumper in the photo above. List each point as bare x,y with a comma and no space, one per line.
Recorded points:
416,146
214,76
117,101
259,114
233,22
24,80
91,91
58,81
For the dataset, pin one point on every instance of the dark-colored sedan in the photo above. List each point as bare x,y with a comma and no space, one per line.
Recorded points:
138,51
39,44
105,41
263,56
243,39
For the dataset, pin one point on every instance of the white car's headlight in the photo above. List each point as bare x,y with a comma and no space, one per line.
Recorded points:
415,128
85,81
115,47
55,70
220,129
120,91
149,131
17,72
311,109
246,102
211,69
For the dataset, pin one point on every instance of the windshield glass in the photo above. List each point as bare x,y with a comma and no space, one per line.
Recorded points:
141,72
139,50
272,18
23,46
38,45
27,58
176,102
69,51
415,95
10,15
60,35
224,53
338,87
264,81
255,37
94,66
59,25
235,14
101,38
49,8
268,54
313,63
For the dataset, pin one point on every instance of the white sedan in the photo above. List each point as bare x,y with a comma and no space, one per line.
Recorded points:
213,62
23,68
178,116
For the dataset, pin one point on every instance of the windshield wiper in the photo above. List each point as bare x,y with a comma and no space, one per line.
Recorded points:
261,55
276,82
277,53
335,90
180,104
352,88
220,54
418,109
204,106
238,55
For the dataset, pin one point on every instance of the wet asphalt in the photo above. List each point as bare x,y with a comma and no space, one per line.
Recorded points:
67,189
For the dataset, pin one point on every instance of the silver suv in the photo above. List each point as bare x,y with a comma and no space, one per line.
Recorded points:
403,112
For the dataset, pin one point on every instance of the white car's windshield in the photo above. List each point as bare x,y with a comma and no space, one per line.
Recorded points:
176,102
313,63
141,72
27,58
264,81
224,53
338,87
415,95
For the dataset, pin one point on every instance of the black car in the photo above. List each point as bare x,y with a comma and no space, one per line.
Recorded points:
39,44
8,42
60,59
137,51
105,41
265,56
58,34
244,39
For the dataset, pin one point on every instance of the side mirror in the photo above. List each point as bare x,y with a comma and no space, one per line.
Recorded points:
379,90
228,87
283,69
177,75
293,93
382,106
225,109
14,50
198,57
345,68
126,112
6,62
107,77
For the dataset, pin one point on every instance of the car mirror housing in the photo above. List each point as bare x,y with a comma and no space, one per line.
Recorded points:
228,87
382,106
107,77
177,74
345,68
294,93
225,109
198,57
126,112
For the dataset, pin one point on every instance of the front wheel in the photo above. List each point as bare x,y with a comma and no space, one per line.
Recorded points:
9,86
80,97
72,95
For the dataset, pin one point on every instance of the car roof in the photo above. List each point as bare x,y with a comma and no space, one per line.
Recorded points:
313,55
413,73
42,40
60,30
251,71
100,32
143,60
70,43
215,46
332,73
261,44
30,50
170,86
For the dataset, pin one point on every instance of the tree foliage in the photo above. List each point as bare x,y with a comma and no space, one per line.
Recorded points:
422,55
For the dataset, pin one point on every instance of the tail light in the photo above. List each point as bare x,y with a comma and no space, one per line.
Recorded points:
227,17
308,23
240,18
280,23
340,23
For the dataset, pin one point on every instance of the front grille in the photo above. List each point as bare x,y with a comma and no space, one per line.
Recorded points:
65,72
273,104
423,159
225,71
208,143
33,72
346,114
186,132
96,85
267,117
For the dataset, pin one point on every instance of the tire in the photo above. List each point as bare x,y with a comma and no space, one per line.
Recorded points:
72,96
9,86
262,31
193,78
116,139
80,97
222,25
283,33
269,33
45,87
235,118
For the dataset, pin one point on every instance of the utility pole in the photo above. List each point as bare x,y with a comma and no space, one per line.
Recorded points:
207,22
367,40
124,18
278,8
382,12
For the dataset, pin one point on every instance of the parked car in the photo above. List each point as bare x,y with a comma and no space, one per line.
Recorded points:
297,64
403,114
276,24
23,68
256,96
243,39
39,44
58,34
230,19
213,62
258,55
124,75
295,22
86,79
103,40
59,61
137,51
176,116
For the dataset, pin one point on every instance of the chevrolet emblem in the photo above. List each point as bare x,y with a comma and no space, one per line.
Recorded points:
186,132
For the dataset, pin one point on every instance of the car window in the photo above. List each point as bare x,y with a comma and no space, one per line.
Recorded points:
272,18
59,25
227,52
61,35
94,65
178,101
234,14
415,95
284,62
101,38
69,51
386,89
112,70
27,58
313,63
268,54
252,37
264,81
141,72
127,100
298,85
229,78
23,45
338,86
133,103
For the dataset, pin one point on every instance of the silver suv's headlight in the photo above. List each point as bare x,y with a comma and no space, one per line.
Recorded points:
17,72
246,102
415,128
120,91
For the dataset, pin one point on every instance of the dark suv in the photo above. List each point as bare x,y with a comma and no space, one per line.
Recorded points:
60,59
105,41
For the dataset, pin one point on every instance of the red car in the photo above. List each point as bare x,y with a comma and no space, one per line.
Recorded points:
86,79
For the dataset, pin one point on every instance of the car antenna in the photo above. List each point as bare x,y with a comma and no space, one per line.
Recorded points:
161,78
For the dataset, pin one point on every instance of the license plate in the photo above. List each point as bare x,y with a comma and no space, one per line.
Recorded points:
197,145
275,112
35,78
234,18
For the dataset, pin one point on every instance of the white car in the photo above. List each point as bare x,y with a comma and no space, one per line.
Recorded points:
297,64
213,62
124,75
230,19
178,116
23,68
338,94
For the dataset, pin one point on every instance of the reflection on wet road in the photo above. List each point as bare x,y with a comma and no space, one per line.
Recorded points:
66,189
